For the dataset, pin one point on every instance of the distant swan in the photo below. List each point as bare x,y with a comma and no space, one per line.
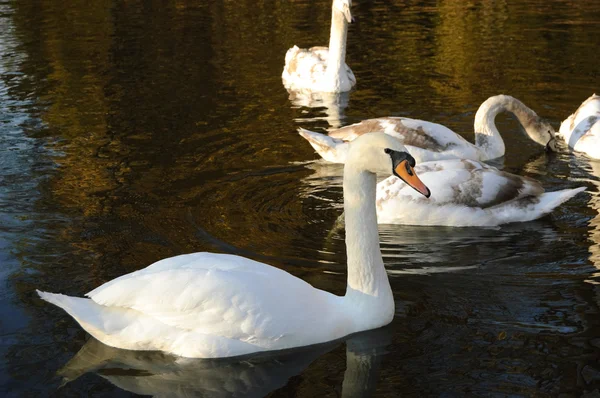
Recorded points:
428,141
466,193
208,305
321,68
581,130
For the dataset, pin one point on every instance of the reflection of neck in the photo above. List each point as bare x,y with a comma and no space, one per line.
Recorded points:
337,45
361,376
368,291
594,223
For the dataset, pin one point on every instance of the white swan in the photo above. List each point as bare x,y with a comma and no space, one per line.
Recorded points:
428,141
321,68
466,193
581,130
210,305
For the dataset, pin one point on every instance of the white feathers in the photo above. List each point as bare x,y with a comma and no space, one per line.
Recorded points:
322,69
209,305
581,130
465,193
428,141
203,305
331,149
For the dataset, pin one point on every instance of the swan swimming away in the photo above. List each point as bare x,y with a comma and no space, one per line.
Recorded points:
208,305
428,141
321,68
581,130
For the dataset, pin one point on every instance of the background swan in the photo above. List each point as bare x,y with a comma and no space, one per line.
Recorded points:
210,305
428,141
466,193
581,130
321,68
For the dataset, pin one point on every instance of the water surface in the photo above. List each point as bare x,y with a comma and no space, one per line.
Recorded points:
133,131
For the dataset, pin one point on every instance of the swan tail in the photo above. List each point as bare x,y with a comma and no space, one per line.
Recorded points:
551,200
290,54
114,326
533,207
67,303
128,329
331,149
289,69
94,318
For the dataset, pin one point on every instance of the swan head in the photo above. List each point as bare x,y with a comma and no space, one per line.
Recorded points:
343,6
542,132
381,153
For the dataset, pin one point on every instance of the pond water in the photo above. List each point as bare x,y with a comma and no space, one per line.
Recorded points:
134,131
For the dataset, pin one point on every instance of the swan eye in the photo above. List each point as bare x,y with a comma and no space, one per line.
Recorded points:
387,150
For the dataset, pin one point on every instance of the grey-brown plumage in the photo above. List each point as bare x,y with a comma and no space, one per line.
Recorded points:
466,193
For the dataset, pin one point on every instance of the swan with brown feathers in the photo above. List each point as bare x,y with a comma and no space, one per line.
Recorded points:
428,141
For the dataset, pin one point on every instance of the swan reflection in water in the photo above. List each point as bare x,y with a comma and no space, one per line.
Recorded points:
164,375
333,104
594,224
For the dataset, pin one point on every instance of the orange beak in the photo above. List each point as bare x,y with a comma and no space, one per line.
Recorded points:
405,172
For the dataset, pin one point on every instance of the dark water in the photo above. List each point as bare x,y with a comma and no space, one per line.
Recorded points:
133,131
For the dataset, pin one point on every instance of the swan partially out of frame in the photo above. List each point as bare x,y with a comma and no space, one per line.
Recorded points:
581,130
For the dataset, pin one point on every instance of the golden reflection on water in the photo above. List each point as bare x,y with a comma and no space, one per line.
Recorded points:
170,132
594,233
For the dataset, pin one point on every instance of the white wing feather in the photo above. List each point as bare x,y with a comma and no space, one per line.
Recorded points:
465,193
217,294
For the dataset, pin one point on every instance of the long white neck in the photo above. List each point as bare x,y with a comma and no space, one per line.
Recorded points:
337,46
368,289
487,136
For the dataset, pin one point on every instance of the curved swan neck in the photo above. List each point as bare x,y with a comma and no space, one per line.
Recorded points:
487,137
366,272
526,116
337,44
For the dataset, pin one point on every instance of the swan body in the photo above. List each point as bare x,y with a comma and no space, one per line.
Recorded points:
322,69
581,130
209,305
466,193
206,305
428,141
